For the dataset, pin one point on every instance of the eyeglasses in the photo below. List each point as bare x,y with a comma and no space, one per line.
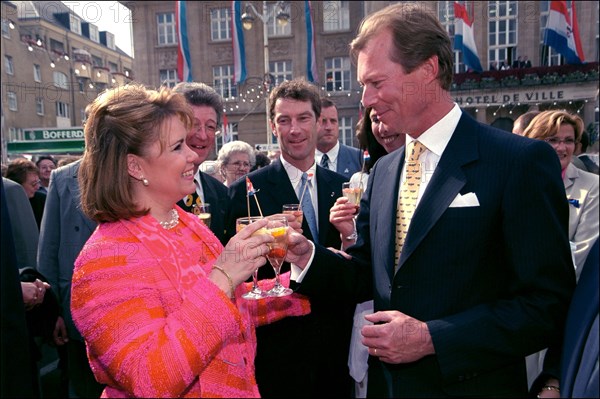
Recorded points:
555,142
212,129
35,183
240,164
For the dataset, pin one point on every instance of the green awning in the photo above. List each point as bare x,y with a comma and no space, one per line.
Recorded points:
46,147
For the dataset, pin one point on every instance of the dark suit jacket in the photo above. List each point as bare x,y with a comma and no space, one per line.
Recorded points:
17,376
349,161
314,348
215,194
579,355
24,228
65,229
492,281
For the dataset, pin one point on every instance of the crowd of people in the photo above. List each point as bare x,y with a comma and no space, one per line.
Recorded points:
453,277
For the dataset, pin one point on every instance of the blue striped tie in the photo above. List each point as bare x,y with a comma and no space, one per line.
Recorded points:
307,208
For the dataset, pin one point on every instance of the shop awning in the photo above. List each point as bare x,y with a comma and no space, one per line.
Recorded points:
46,147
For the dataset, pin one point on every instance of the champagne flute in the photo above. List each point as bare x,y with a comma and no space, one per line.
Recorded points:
353,192
256,292
278,228
203,213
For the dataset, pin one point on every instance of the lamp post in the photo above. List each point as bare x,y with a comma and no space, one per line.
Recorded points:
247,22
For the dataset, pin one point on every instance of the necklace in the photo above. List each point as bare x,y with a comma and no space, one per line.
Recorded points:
171,223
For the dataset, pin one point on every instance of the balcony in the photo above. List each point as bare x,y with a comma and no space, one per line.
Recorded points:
526,77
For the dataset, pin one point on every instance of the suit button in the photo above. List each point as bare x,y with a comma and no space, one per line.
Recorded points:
76,228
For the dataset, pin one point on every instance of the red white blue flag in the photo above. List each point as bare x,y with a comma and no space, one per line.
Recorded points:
237,35
250,188
227,134
184,65
464,39
562,33
311,57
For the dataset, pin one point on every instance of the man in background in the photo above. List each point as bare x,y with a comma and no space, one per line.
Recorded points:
330,153
207,106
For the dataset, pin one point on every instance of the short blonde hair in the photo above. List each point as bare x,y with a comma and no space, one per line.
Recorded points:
547,124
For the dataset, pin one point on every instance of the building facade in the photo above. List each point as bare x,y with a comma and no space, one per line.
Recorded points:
54,64
504,31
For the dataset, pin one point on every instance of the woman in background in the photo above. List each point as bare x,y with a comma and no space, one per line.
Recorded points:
563,131
24,172
235,159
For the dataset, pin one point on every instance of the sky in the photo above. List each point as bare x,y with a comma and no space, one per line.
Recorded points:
108,16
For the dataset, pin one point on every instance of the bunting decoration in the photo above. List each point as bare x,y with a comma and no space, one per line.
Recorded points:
562,33
464,39
239,51
311,57
184,66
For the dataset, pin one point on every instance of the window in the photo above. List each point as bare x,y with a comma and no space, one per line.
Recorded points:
231,131
168,77
336,16
446,18
337,73
62,110
6,28
37,73
166,28
220,18
502,31
75,23
274,28
97,61
57,46
110,40
12,101
94,36
8,64
128,73
60,80
81,85
112,67
39,105
12,134
280,71
223,81
347,127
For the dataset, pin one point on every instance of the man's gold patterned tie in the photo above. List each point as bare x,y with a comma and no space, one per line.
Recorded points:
407,202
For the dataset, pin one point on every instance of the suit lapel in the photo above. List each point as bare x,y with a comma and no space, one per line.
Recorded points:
446,183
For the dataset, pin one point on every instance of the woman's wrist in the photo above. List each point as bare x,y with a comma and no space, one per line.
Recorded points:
229,280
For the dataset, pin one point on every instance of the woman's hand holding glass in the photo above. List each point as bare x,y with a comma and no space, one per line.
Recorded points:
341,216
244,253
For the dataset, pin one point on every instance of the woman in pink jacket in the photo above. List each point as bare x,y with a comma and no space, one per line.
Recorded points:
154,293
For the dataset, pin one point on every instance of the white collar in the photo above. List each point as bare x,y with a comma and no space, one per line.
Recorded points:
436,138
295,174
332,154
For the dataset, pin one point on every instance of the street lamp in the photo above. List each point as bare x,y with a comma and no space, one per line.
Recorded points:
247,22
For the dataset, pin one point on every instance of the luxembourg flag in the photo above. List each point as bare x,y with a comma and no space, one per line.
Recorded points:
227,136
184,65
561,34
311,57
239,51
464,40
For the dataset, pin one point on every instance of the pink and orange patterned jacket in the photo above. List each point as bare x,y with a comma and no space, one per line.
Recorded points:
155,325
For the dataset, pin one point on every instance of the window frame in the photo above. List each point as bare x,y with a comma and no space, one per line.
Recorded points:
170,80
346,71
223,81
166,30
12,100
218,32
39,106
334,8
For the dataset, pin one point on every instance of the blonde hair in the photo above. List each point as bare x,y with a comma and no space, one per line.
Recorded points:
121,121
547,124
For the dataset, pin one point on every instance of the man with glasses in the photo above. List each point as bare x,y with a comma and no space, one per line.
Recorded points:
207,106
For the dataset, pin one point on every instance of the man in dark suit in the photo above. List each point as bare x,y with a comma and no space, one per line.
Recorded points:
330,153
65,230
484,274
313,349
18,374
572,370
207,106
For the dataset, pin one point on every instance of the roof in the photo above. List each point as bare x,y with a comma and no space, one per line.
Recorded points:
50,11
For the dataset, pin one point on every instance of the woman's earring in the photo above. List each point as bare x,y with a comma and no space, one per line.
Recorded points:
145,182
